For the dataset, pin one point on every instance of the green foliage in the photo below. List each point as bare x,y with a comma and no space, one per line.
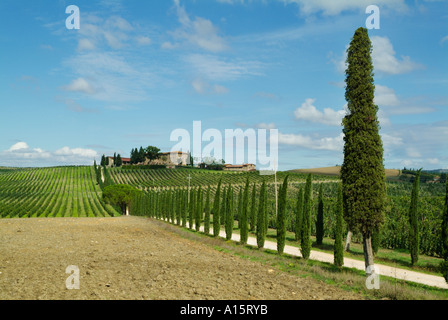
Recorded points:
299,216
216,208
243,219
338,232
281,217
207,213
229,215
120,195
151,152
306,227
320,218
253,209
362,172
414,221
198,216
261,224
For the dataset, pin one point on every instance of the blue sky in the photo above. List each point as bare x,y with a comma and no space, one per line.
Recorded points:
137,70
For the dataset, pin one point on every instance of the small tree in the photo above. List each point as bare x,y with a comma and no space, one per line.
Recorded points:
120,195
338,232
216,207
320,218
253,210
243,221
119,161
207,213
198,209
299,217
229,213
306,228
114,163
261,225
281,217
414,237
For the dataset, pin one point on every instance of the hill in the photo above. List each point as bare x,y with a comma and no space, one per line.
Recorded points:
336,171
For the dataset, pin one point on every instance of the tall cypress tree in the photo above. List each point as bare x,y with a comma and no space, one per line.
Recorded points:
299,216
281,217
414,237
362,173
229,215
243,221
216,207
198,209
207,213
444,264
253,210
338,232
191,208
306,227
223,207
320,218
261,225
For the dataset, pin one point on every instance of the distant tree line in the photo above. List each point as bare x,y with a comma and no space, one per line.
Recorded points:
139,155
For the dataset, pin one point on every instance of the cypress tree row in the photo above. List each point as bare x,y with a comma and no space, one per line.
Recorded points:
216,205
281,217
362,172
444,264
320,218
306,227
338,232
414,237
253,209
207,213
299,217
229,213
261,225
243,219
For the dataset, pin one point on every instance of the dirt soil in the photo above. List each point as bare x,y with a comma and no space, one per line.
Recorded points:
133,258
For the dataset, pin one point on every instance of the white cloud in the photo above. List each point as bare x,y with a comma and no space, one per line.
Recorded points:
385,96
332,8
384,59
299,140
19,146
308,112
267,126
111,77
80,85
85,44
21,155
202,87
199,32
143,41
215,69
444,39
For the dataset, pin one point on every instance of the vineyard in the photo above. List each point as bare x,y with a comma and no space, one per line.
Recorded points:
51,192
162,185
75,192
